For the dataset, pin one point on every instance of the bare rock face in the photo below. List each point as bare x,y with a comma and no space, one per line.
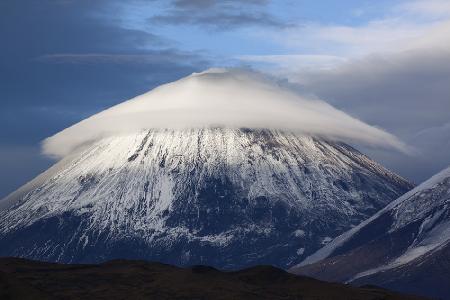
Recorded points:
229,198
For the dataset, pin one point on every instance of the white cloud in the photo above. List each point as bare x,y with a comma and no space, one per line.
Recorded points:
392,72
422,24
379,36
406,93
231,98
285,64
427,8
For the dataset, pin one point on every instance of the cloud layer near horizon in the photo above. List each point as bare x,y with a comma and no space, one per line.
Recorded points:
218,97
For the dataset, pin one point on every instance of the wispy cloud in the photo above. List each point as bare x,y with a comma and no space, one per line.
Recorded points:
401,29
379,36
426,8
150,57
290,65
218,15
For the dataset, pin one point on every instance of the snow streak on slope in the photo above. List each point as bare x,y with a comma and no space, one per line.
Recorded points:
412,206
223,197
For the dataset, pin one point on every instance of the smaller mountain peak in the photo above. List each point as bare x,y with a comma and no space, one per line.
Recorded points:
404,244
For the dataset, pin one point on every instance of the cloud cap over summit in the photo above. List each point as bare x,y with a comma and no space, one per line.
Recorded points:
226,98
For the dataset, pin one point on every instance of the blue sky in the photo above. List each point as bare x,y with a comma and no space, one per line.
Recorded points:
251,39
384,62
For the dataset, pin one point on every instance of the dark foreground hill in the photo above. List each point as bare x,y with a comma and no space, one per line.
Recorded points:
122,279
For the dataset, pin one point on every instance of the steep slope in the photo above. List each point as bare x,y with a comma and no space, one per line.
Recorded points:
405,246
426,275
223,197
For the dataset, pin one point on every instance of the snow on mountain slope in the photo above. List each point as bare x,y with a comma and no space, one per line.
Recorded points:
224,197
406,234
426,275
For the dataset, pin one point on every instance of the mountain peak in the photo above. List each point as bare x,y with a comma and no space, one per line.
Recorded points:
218,196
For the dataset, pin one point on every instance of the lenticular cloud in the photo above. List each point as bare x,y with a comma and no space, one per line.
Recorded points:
221,97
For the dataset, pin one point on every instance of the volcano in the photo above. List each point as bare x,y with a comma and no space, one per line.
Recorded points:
214,193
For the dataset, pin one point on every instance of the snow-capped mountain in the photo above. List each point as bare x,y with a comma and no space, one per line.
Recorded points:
405,246
205,191
223,197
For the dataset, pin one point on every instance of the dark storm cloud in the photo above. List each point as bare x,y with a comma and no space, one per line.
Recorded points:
409,91
64,60
406,93
36,27
201,4
38,34
218,15
19,165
